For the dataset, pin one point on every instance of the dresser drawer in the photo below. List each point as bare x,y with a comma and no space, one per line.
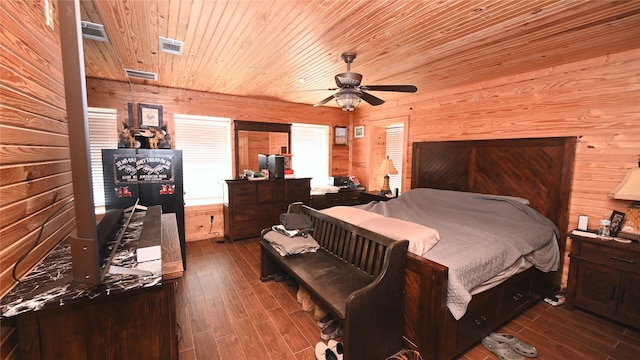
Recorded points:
616,258
334,199
517,295
243,189
478,321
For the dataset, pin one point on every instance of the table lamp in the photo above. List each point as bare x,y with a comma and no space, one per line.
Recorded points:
387,168
629,189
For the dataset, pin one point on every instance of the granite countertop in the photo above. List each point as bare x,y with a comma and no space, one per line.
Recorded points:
51,284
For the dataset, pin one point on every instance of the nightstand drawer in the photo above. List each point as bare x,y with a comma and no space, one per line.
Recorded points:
352,198
617,258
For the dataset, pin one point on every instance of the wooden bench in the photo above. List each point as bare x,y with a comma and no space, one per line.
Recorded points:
357,275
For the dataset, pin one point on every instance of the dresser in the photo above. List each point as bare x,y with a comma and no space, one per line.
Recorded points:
125,317
604,278
250,206
347,196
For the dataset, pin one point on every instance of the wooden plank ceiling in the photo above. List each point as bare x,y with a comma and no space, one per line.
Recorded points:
262,48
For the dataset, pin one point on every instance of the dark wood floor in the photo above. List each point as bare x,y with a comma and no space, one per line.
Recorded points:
226,312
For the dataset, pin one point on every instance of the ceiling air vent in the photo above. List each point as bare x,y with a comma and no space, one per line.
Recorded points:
141,74
170,46
94,31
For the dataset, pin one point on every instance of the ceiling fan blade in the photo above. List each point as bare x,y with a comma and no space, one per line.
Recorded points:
297,91
375,101
398,88
324,101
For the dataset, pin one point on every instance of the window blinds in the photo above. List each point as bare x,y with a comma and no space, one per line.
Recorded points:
310,149
103,134
206,156
395,137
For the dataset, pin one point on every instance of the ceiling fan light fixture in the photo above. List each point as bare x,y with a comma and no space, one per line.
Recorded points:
347,100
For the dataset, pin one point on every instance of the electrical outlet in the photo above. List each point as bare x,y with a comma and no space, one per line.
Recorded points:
211,220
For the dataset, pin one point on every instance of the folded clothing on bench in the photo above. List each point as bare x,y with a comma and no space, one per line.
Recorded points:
286,245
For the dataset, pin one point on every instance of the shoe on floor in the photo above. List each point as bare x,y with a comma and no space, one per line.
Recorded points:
281,277
336,347
502,350
320,351
319,312
301,294
323,352
516,344
334,330
308,304
324,321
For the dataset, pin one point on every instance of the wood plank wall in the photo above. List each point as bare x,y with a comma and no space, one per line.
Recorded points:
35,171
116,95
597,100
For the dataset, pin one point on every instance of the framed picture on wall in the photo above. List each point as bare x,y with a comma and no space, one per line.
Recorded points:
340,135
359,132
149,115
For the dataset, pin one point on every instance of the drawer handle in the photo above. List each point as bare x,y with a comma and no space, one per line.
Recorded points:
623,260
481,320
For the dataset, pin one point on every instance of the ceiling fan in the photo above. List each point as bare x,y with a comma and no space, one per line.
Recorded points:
350,91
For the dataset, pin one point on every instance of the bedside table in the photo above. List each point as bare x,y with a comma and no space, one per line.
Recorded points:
345,197
604,277
369,196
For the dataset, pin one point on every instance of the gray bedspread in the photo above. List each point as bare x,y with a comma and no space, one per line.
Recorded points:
480,235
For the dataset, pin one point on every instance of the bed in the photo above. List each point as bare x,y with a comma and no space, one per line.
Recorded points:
537,169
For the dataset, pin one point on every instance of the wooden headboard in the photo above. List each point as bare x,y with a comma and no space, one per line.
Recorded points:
538,169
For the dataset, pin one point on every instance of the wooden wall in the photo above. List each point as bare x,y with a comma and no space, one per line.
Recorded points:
35,171
597,100
116,95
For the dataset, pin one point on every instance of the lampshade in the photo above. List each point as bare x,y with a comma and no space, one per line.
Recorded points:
347,101
387,167
629,187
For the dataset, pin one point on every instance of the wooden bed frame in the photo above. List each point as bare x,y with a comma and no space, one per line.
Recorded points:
538,169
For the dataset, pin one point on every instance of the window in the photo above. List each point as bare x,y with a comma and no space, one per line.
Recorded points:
395,149
103,134
206,156
310,149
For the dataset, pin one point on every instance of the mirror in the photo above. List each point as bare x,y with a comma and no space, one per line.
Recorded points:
253,138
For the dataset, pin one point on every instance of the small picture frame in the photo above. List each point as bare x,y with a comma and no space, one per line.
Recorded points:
583,222
340,135
149,116
617,218
359,132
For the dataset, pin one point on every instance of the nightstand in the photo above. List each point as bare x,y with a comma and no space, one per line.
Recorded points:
344,197
369,196
604,277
